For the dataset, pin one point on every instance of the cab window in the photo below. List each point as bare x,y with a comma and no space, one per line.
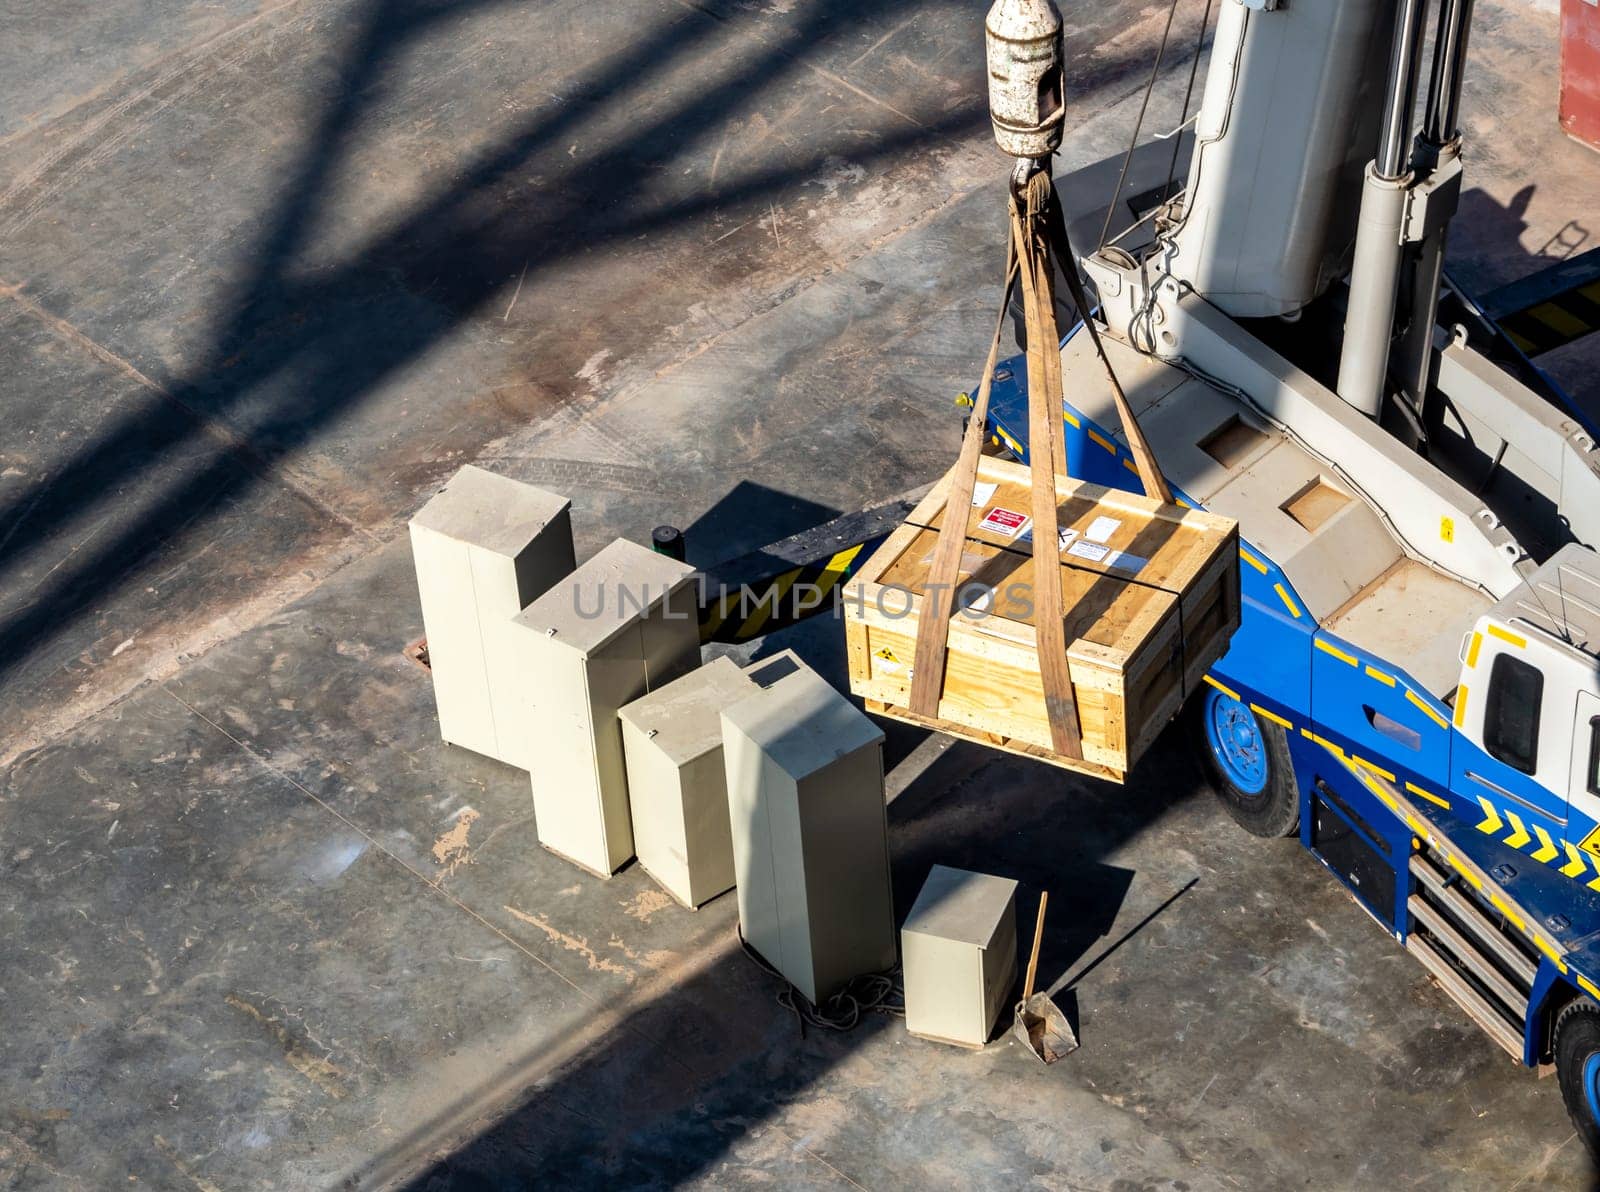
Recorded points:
1511,715
1594,756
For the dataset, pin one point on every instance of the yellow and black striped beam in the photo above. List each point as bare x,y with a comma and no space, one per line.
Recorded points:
793,579
1551,308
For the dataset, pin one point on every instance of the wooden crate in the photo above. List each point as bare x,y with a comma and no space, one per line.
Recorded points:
1151,603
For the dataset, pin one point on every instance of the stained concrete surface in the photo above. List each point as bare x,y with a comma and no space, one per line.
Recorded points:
270,274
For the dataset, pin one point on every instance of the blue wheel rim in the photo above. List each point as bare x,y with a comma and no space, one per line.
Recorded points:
1236,741
1591,1085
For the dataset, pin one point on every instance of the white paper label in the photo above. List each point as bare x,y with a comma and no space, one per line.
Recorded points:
1101,529
1092,551
982,491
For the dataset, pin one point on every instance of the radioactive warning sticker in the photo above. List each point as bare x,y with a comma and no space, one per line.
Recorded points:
887,662
1006,522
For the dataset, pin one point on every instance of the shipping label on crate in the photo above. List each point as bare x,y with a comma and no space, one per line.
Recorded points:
1006,522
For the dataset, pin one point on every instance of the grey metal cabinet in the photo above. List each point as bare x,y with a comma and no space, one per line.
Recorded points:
677,789
485,547
623,624
810,834
958,951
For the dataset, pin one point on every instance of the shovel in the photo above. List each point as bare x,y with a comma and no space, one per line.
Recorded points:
1040,1023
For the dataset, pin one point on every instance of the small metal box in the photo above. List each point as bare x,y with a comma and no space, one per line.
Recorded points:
485,548
810,833
623,624
677,789
958,951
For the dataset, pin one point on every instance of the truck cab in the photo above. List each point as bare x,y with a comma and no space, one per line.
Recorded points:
1527,709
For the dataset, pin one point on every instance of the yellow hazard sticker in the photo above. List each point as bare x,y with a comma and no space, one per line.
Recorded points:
1447,529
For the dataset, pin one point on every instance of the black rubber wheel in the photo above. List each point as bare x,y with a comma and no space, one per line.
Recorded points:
1246,760
1577,1048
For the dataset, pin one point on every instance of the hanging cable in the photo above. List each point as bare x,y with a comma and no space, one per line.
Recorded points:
1188,96
1138,125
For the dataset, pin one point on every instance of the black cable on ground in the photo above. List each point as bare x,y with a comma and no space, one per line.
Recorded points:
871,993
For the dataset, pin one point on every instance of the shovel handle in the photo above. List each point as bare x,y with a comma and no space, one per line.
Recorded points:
1033,957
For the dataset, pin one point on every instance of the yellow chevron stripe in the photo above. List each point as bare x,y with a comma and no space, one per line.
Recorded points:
1288,601
1547,850
1461,705
1587,985
1492,822
1575,863
1501,905
1070,419
1326,744
1426,707
1376,769
837,566
1471,878
1505,635
765,607
1102,440
1227,691
1559,319
1472,650
1328,647
1374,673
719,614
1544,946
1252,560
1272,716
1519,836
1428,795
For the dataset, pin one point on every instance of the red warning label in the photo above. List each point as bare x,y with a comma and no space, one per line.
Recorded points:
1004,521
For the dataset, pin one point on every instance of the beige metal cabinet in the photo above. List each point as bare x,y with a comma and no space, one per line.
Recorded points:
810,839
958,951
485,548
623,624
677,789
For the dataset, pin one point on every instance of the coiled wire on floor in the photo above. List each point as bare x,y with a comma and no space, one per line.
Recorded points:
870,993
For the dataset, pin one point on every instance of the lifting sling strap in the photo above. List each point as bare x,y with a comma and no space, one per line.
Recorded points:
1038,228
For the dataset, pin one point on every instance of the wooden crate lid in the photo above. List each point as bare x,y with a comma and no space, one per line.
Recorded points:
1108,530
1103,609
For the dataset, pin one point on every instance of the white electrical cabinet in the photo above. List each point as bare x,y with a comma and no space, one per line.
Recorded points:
485,548
677,789
810,834
958,952
624,623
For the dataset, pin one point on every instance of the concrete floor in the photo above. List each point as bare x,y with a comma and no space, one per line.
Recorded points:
269,273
